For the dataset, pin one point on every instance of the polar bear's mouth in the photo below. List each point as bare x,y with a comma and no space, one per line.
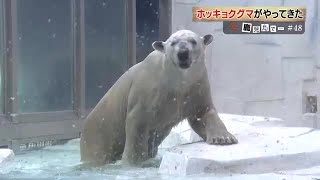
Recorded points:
184,65
184,58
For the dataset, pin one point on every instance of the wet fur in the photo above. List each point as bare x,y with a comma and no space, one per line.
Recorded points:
140,109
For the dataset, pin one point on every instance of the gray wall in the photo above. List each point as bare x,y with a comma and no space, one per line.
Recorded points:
268,75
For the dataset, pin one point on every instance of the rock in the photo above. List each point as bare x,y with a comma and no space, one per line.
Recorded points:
257,121
183,134
260,150
6,155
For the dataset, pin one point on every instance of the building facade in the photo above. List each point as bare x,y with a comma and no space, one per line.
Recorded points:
266,75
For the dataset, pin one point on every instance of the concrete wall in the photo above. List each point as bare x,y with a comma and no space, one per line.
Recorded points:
267,75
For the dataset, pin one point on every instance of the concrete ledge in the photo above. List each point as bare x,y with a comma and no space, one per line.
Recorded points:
260,150
183,134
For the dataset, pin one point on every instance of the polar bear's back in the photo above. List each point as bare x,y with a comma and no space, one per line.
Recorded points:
116,98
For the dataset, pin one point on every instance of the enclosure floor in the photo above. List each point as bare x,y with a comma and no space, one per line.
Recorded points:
62,162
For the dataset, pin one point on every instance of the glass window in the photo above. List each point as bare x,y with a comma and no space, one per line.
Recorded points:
106,46
147,27
44,55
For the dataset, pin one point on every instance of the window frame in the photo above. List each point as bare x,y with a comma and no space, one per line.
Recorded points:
3,73
16,127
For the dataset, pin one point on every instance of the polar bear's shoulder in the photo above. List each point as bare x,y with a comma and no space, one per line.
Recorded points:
155,56
153,60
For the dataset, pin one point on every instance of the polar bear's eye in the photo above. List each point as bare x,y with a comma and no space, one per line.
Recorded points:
193,42
173,43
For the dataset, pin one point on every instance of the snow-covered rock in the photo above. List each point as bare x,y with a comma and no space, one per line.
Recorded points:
265,146
183,134
257,121
6,155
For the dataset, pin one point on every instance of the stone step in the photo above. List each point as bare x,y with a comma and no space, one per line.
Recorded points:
261,149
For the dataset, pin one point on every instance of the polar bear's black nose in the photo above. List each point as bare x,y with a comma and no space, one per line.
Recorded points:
183,55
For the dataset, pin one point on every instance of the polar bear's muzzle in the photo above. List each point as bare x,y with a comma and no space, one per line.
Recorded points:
184,59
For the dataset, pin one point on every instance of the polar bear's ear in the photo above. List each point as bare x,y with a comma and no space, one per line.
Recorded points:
158,45
207,39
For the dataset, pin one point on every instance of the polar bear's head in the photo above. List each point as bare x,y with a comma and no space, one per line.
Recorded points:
184,48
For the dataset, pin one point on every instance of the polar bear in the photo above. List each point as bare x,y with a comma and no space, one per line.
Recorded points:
140,109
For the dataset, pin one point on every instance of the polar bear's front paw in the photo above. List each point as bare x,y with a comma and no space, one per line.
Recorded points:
221,138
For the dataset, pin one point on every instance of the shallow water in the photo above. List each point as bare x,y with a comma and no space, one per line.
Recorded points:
62,162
